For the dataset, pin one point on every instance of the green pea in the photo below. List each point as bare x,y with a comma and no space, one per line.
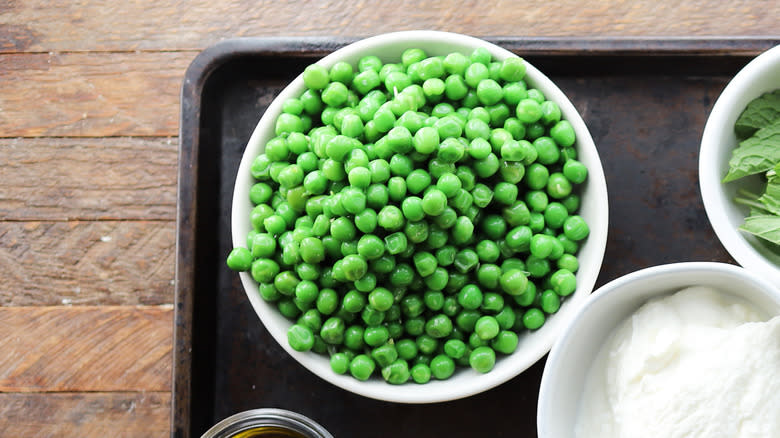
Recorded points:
555,214
306,291
488,275
505,193
563,133
327,301
506,317
406,348
563,282
536,176
470,297
439,326
558,186
514,282
421,373
434,202
488,251
339,363
355,267
463,230
455,87
442,367
239,259
300,337
384,354
575,228
375,336
390,218
537,267
449,184
541,245
332,331
455,348
455,63
451,150
528,110
536,94
315,77
361,367
550,302
489,92
487,166
486,327
353,337
380,299
365,81
569,262
479,148
533,319
505,342
397,372
575,171
492,303
475,73
482,359
466,319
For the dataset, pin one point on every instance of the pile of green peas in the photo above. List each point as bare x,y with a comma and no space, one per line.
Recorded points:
413,217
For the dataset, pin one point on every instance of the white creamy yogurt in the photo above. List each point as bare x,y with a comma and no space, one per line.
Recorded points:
696,364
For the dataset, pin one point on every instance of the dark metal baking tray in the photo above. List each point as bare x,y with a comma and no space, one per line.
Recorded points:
645,101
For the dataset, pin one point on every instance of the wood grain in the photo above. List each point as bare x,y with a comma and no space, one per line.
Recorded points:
86,348
87,263
85,415
88,179
91,95
42,25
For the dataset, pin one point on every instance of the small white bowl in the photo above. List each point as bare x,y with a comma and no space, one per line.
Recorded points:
465,382
568,364
759,76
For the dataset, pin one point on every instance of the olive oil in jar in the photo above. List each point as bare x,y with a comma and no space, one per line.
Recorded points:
267,423
269,432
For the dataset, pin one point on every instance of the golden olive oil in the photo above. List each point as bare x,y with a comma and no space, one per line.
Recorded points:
267,423
268,432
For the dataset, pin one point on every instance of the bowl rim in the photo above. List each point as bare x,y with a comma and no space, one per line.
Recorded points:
434,391
617,287
742,247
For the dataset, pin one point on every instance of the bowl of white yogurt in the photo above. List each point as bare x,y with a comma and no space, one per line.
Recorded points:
680,350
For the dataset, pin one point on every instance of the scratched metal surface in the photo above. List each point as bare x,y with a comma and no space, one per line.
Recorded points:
646,116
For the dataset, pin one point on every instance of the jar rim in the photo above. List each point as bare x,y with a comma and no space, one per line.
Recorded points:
245,420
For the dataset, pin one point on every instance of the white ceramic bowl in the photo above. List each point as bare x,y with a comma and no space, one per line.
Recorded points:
759,76
569,361
532,347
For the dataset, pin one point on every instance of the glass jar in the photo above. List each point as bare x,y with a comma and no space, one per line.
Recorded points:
267,423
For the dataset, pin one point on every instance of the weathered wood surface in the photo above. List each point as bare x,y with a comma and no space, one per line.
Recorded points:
91,94
43,25
121,178
87,263
85,348
77,415
89,109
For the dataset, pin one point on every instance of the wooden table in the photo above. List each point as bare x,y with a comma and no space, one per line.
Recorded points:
89,113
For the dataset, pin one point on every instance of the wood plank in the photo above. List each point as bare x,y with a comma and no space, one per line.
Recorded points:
88,179
91,94
87,263
43,25
86,348
92,415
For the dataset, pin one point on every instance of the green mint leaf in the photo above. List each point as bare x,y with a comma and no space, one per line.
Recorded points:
771,198
766,227
757,154
758,114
